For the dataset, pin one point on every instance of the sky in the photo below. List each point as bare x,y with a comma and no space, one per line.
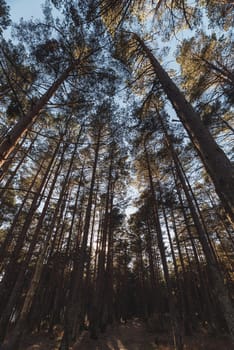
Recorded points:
24,8
33,8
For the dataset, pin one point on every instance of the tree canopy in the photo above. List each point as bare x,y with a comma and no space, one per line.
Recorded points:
116,170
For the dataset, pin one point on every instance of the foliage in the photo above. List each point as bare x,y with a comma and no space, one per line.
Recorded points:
105,144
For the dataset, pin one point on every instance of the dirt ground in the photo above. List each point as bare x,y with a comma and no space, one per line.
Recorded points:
130,336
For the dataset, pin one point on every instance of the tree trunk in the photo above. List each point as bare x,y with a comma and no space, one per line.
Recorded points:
76,293
214,159
10,234
9,143
176,327
25,264
220,291
98,303
27,222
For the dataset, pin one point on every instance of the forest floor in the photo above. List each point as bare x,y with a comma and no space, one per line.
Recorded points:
130,336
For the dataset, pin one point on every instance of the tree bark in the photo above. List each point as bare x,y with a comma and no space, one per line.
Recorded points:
216,278
214,159
176,328
25,264
12,138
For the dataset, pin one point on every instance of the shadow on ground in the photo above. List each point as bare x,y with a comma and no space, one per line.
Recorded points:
130,336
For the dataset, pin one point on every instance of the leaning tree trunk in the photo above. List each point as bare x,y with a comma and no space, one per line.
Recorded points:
12,138
17,289
21,237
33,207
206,306
7,164
214,159
11,233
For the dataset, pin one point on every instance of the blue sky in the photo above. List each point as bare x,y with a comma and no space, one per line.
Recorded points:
25,9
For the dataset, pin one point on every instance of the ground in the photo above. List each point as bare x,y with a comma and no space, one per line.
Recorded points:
130,336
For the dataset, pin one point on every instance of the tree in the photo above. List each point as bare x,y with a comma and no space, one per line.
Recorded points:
213,158
4,15
22,126
91,133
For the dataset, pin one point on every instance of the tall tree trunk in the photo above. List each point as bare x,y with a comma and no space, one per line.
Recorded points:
24,265
76,293
77,197
205,304
217,280
176,327
12,138
27,222
214,159
98,304
10,234
9,162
